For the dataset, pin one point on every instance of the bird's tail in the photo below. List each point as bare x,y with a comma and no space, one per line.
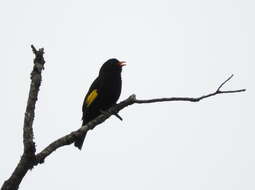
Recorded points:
79,142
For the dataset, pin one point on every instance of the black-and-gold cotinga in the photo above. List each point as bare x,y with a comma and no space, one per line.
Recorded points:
103,93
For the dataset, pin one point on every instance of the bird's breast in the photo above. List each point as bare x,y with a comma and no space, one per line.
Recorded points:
111,89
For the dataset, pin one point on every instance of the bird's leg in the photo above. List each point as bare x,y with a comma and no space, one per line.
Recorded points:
118,116
105,112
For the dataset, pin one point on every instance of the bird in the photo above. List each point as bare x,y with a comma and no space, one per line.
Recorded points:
103,93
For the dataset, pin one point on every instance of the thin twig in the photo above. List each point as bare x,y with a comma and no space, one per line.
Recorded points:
190,99
225,82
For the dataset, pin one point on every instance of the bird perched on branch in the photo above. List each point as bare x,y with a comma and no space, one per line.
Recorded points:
103,93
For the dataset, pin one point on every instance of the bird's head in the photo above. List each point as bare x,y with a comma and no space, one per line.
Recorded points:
112,66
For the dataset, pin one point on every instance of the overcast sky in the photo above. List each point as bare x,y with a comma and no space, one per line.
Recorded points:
172,48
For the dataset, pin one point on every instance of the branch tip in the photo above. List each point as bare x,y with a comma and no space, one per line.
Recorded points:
222,84
39,52
33,49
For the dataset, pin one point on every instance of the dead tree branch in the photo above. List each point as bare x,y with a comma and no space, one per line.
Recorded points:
29,159
69,139
189,99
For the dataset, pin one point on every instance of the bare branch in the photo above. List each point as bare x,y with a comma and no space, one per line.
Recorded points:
69,139
28,135
28,157
189,99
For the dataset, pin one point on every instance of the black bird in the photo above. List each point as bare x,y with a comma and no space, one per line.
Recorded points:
103,93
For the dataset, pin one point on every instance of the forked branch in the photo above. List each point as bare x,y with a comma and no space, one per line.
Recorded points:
190,99
29,159
69,139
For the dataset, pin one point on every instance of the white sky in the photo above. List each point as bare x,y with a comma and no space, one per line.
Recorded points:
173,48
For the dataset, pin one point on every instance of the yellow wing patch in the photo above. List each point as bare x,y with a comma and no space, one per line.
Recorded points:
91,97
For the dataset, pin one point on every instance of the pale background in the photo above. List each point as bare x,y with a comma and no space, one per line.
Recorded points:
172,48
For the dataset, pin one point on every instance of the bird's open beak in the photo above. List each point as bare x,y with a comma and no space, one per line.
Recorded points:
122,63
